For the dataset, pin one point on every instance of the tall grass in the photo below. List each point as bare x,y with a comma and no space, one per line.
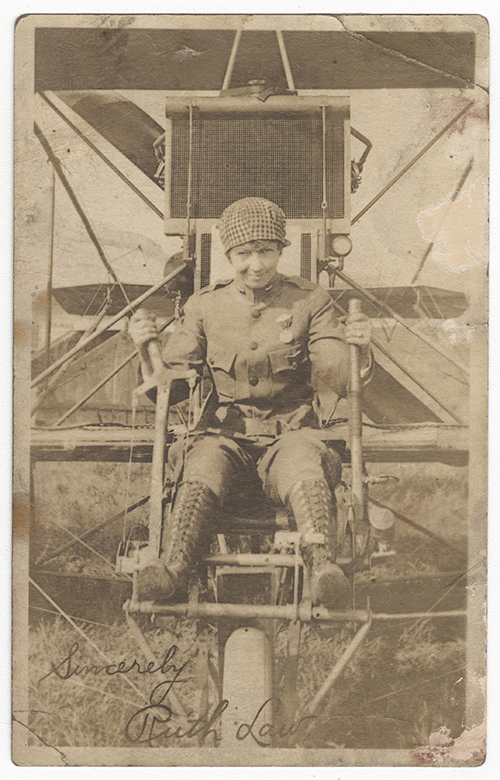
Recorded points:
93,710
399,688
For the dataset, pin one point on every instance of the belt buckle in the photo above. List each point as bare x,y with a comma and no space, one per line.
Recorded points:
255,426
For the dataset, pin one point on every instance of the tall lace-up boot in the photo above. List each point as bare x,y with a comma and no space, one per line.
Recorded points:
184,538
314,510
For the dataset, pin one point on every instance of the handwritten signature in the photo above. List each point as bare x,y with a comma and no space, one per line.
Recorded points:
68,668
149,723
259,730
142,726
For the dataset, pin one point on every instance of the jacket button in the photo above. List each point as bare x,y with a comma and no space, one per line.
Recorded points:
255,312
253,345
254,381
211,361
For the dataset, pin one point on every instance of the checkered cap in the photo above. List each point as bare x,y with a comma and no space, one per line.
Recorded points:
250,219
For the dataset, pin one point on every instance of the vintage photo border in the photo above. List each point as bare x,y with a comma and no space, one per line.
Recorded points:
18,652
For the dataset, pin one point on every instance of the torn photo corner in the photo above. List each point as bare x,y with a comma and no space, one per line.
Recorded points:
250,390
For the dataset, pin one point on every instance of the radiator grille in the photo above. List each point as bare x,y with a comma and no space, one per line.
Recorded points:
305,256
205,250
276,157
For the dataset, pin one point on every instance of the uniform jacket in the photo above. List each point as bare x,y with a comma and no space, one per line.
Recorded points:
259,373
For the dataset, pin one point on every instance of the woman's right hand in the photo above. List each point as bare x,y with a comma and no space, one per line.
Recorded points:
142,328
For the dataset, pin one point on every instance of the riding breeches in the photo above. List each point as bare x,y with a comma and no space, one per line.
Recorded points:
240,468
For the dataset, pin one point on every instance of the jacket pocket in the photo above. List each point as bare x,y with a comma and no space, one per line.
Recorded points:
221,364
285,359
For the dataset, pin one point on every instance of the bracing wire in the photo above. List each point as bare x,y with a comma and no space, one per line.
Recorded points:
135,403
189,184
85,636
324,204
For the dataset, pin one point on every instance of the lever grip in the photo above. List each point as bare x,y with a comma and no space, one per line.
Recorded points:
355,422
155,357
355,306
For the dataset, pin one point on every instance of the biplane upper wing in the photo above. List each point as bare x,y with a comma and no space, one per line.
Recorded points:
194,59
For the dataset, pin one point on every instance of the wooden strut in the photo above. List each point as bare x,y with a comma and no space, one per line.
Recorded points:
357,509
411,163
130,307
286,62
391,313
376,343
102,156
232,59
106,379
341,664
79,209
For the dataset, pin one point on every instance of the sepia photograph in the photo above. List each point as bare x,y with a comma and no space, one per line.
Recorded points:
250,411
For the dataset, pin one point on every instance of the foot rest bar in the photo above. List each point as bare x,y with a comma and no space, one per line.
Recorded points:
284,612
252,559
261,559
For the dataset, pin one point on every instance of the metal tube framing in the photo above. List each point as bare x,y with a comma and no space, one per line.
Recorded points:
279,612
339,667
251,559
286,62
232,58
157,471
355,422
388,616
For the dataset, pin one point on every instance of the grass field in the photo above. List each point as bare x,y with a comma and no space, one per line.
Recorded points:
405,683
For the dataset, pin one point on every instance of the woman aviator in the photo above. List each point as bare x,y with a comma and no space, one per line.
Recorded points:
278,359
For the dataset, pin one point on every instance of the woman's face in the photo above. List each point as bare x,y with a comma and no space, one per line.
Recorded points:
255,262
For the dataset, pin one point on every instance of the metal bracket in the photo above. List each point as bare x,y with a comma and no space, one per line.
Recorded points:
289,540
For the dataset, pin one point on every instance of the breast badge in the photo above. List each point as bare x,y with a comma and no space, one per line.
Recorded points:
286,335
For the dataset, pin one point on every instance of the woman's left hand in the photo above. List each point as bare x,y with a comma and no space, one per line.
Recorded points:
358,330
